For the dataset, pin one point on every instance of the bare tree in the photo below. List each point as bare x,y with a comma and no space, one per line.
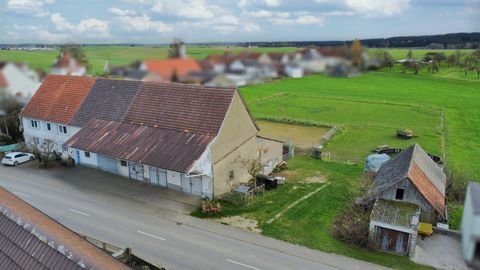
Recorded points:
254,166
175,50
44,152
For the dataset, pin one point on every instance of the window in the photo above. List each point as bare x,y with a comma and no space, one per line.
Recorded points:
87,154
34,123
399,194
49,127
62,129
232,175
123,163
64,149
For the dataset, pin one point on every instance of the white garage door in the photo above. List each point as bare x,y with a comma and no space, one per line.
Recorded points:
107,164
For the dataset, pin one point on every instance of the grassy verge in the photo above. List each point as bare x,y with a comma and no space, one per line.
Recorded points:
309,222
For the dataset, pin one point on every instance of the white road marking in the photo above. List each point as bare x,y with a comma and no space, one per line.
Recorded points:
78,212
151,235
242,264
21,194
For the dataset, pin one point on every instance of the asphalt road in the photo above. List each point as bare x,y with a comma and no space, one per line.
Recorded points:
172,240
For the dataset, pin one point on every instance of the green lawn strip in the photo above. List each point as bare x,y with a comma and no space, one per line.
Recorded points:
455,211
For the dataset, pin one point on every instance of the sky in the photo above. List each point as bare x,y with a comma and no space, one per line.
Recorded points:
159,21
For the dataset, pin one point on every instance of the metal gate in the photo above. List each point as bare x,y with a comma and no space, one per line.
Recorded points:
158,177
107,164
192,185
393,241
196,183
135,171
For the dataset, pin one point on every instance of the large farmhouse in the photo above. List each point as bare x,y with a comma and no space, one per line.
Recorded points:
184,137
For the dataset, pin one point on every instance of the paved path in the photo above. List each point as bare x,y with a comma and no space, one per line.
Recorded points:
100,205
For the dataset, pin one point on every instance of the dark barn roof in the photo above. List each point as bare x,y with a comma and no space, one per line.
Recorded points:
31,240
181,107
414,164
107,100
157,147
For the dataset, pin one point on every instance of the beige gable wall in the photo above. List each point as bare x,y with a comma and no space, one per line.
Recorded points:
236,139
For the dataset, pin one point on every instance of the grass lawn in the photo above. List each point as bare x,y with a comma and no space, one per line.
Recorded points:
308,223
373,105
398,53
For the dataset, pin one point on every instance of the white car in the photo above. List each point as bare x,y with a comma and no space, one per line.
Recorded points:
16,158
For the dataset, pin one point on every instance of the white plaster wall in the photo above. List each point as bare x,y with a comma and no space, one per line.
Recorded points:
204,164
146,172
43,134
207,187
89,162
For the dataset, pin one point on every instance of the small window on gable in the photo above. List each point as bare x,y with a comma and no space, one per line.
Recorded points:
399,194
123,163
232,175
87,154
49,127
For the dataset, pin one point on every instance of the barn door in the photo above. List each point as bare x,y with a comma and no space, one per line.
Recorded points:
186,186
107,164
393,241
162,177
196,185
153,176
135,171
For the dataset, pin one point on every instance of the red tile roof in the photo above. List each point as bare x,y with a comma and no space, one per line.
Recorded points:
3,81
180,107
157,147
58,98
166,68
26,234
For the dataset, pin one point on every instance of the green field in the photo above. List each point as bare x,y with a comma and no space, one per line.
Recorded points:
118,55
370,107
417,53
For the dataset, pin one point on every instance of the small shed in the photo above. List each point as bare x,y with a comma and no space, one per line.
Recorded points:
394,226
471,226
374,162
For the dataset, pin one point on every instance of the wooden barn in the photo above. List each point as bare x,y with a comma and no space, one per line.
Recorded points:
413,177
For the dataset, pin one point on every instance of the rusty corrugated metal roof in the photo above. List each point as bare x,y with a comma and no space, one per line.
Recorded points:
107,100
30,239
157,147
180,107
58,98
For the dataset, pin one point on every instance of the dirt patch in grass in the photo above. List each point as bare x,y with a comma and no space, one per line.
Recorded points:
241,222
317,178
302,136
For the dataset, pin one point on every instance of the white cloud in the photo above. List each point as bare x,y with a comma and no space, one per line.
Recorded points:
88,25
338,13
60,22
267,14
93,25
143,23
369,8
378,7
190,9
270,3
47,37
121,12
303,18
29,7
